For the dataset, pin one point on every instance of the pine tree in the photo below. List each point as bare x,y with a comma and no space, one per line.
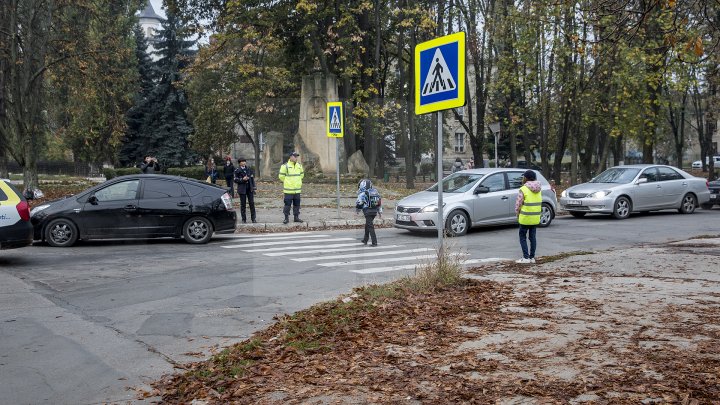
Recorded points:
166,127
134,148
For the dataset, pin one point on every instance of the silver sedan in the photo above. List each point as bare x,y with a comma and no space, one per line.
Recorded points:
472,197
622,190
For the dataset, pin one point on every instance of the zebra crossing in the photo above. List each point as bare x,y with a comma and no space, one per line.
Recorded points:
326,251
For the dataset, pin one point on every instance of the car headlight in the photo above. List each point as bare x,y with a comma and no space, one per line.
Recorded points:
600,194
564,193
38,209
430,208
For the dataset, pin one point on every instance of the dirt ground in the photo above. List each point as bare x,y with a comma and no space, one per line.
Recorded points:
638,325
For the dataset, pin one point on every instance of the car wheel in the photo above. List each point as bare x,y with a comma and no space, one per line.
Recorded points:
622,208
61,233
546,215
577,214
457,223
689,203
197,230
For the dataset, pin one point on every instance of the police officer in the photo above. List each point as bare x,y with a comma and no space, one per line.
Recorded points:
291,174
245,180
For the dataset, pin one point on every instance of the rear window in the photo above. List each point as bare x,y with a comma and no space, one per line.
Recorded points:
3,196
155,189
193,189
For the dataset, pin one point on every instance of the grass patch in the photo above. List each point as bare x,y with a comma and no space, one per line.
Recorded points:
443,272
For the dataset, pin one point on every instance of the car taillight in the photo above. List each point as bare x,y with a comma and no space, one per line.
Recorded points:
227,201
24,210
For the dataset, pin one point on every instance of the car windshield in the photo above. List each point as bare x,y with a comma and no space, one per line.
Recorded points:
457,183
616,175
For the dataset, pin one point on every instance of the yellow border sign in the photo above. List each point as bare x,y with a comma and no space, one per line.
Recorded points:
335,122
440,74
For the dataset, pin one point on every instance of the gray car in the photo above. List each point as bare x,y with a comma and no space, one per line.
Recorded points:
622,190
473,197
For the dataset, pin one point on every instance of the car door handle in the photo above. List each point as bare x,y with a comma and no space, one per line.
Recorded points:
130,208
183,204
658,186
504,198
684,184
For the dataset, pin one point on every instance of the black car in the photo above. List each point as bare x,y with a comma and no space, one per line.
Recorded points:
714,187
15,228
137,206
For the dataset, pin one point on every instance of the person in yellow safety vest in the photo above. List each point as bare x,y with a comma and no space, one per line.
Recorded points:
291,174
528,208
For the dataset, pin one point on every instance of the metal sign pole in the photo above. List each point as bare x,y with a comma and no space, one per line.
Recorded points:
440,223
337,154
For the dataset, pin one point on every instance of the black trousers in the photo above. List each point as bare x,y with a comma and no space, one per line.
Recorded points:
244,198
370,229
230,185
294,200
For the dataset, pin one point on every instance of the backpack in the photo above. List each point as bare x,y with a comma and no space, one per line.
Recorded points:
374,199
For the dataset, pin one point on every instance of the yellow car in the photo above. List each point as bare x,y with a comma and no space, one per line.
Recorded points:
15,228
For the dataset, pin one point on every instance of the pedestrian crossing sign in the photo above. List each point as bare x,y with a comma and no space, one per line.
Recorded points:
335,124
440,74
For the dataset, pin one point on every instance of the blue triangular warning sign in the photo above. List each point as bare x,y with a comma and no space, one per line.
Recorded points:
438,79
335,119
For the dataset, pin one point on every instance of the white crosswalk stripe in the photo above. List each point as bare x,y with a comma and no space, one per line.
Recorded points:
381,260
413,266
303,249
268,235
336,250
285,242
372,253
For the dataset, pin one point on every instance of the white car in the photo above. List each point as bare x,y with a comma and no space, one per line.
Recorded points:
698,163
15,228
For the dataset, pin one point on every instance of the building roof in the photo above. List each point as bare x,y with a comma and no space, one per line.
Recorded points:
149,12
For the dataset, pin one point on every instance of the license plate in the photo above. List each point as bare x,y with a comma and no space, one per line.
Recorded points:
403,217
713,196
573,202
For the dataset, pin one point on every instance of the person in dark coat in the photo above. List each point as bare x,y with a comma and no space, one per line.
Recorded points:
229,173
245,180
150,165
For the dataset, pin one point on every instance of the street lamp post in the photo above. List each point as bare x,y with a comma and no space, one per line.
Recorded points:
495,129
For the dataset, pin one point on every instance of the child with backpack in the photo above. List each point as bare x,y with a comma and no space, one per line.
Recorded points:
370,203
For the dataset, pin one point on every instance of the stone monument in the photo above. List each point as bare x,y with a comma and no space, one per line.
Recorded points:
316,149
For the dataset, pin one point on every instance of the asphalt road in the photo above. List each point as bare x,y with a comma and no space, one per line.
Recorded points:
90,323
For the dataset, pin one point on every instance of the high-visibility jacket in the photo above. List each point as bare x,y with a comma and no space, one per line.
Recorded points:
291,174
531,209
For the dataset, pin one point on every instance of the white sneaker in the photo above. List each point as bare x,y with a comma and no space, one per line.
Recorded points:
532,260
523,261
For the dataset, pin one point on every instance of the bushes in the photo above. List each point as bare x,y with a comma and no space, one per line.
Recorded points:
192,172
124,171
109,173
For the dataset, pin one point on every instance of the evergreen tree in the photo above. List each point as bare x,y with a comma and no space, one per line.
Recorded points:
166,127
133,146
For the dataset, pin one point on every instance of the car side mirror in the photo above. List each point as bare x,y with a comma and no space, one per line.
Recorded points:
481,190
93,200
641,180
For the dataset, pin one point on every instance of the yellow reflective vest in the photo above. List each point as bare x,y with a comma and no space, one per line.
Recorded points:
531,209
291,174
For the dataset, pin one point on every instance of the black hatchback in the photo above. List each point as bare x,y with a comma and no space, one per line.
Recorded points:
137,207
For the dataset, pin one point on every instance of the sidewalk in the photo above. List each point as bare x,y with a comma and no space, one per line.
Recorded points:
318,210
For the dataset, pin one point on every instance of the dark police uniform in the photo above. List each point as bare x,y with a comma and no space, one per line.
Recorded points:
246,190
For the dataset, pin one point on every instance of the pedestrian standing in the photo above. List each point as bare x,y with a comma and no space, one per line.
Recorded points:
291,174
458,165
150,165
370,203
528,208
470,164
211,170
229,173
245,179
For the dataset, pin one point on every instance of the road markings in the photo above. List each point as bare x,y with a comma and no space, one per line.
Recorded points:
259,235
324,250
372,253
282,249
414,266
284,242
272,237
373,261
